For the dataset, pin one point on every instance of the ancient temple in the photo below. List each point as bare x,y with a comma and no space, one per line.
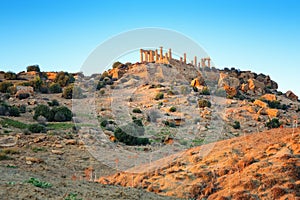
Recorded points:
160,57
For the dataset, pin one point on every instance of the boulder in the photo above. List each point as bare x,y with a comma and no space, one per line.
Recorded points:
260,103
197,82
268,111
231,91
290,95
228,81
269,97
256,86
244,87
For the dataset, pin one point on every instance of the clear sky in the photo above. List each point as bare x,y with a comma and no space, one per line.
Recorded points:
258,35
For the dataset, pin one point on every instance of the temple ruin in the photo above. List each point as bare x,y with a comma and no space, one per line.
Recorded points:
165,58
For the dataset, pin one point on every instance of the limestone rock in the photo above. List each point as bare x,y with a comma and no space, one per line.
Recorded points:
197,82
269,97
268,111
228,81
33,160
256,86
58,152
290,95
231,91
260,103
70,142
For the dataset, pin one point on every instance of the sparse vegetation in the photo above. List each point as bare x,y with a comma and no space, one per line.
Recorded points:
4,86
130,140
37,183
64,79
236,125
72,196
55,88
72,91
34,68
54,102
10,76
116,64
205,91
159,96
37,128
13,123
202,103
172,109
136,110
23,96
58,114
273,123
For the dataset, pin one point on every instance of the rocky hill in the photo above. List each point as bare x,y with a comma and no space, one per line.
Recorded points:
168,128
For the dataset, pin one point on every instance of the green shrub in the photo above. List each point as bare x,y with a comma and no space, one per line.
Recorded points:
72,196
41,110
172,109
104,75
102,92
276,104
14,111
116,64
170,124
54,102
136,110
36,83
138,122
64,79
130,140
34,68
202,103
10,76
23,96
4,108
100,85
274,123
60,114
12,90
44,89
4,86
205,91
236,125
72,91
37,128
22,109
37,183
159,96
55,88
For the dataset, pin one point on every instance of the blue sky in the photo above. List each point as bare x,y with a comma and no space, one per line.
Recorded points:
258,35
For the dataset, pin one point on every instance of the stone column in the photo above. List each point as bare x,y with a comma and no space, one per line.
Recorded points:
180,60
195,61
161,53
146,56
184,58
156,55
166,56
141,52
151,56
208,62
202,62
170,54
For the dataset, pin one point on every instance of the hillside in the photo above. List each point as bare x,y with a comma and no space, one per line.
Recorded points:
165,126
263,165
